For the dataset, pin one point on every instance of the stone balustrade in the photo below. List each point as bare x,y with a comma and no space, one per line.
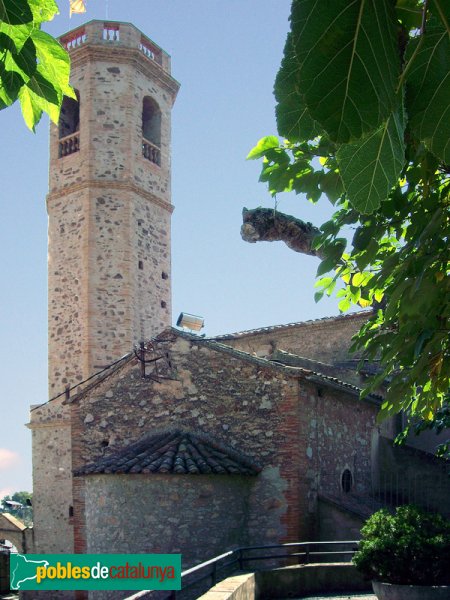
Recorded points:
111,32
115,34
151,152
150,50
74,39
69,144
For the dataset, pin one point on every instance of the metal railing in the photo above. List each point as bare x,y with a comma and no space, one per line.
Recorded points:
218,568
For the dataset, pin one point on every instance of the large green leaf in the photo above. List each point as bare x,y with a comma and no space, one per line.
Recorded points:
293,119
15,12
16,21
18,34
31,109
264,144
54,62
409,13
16,68
331,185
441,10
23,62
348,63
34,68
43,10
428,89
10,84
370,167
36,96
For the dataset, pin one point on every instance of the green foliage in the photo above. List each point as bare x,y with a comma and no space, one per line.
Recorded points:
363,97
352,45
428,89
440,423
34,68
371,166
25,514
346,67
410,547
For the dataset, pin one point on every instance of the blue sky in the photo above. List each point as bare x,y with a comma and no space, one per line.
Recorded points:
225,53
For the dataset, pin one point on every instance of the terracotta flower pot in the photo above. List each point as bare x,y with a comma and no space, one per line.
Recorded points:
392,591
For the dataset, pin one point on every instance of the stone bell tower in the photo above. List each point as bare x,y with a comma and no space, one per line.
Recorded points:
109,209
109,202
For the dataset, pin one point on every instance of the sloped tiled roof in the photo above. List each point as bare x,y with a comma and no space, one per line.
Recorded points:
217,345
361,314
12,522
176,452
307,374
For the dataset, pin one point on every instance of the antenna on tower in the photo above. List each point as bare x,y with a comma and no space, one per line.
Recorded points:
106,9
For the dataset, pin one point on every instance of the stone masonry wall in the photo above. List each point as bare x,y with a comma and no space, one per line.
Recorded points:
52,478
415,476
343,431
67,290
109,212
110,266
339,432
255,410
109,280
303,436
199,516
336,523
152,299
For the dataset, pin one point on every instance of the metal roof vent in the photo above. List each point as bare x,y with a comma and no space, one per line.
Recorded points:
192,322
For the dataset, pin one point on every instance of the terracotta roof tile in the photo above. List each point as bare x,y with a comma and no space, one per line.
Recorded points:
361,314
177,452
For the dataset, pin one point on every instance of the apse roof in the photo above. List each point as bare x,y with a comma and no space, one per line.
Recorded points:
177,452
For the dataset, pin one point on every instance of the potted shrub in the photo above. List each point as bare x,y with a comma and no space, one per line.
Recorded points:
406,554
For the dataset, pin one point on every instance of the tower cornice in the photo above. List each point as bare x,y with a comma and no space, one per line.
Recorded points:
130,56
118,185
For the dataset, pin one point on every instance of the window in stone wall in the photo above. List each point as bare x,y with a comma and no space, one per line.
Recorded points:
151,130
69,120
347,481
69,126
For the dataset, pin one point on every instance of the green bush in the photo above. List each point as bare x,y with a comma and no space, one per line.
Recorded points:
409,547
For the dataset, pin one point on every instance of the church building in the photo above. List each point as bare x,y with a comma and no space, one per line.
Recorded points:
155,439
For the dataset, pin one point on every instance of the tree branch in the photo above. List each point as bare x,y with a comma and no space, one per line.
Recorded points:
267,225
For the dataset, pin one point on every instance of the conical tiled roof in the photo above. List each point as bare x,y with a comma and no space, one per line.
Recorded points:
176,452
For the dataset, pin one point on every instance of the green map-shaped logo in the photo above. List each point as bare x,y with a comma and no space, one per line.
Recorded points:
23,569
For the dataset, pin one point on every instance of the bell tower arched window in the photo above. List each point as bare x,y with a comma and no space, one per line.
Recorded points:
151,131
69,126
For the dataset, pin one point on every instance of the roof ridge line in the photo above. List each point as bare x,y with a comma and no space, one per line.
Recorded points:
307,374
358,313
